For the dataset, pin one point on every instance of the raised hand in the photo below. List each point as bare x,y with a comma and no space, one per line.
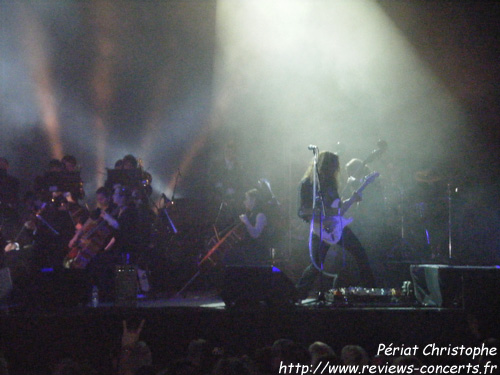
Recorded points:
131,336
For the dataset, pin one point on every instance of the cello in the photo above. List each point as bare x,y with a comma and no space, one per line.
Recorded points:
95,233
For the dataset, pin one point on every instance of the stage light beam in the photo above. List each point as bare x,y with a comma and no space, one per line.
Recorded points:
320,72
37,48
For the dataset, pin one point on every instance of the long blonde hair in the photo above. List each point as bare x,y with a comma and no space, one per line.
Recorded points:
328,169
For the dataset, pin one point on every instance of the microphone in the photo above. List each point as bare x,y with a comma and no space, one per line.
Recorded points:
312,147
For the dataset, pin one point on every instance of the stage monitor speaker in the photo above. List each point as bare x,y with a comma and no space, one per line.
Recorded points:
252,286
60,288
467,287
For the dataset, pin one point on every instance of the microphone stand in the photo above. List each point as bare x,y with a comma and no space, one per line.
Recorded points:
165,211
317,195
450,253
214,225
47,224
165,204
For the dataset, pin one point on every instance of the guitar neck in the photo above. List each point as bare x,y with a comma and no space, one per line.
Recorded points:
348,203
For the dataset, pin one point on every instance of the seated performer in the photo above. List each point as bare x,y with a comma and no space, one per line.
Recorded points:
130,173
123,246
104,203
328,170
255,246
70,163
9,204
57,218
72,168
125,225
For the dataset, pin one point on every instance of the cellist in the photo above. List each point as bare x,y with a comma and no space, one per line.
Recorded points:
123,247
94,233
104,203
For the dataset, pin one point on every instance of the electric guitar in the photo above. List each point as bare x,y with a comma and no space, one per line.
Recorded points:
332,226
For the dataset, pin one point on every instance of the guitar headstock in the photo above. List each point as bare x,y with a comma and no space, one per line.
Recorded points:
370,178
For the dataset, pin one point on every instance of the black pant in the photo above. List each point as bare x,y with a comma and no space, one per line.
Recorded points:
351,244
102,273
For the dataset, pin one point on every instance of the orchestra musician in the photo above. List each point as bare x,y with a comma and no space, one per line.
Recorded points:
27,223
72,168
126,236
9,203
57,217
70,163
122,247
254,248
104,203
130,162
130,173
328,167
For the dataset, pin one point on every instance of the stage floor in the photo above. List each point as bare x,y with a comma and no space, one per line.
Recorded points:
209,300
53,319
36,337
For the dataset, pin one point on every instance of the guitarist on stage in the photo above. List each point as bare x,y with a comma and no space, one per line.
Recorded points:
328,167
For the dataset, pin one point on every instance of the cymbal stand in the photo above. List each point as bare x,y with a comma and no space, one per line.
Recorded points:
448,192
403,248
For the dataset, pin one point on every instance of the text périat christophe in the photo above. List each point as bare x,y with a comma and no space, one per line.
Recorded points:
435,350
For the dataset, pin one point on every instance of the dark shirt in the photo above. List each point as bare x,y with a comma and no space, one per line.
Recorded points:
329,194
252,250
263,241
9,189
127,237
